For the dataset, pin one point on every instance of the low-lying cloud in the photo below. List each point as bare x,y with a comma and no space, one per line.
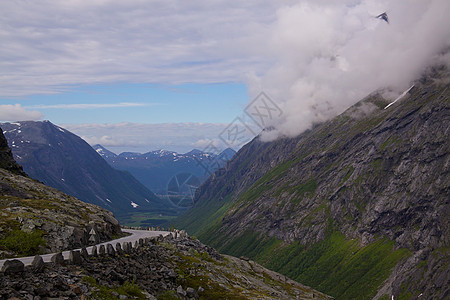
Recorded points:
139,137
17,112
331,54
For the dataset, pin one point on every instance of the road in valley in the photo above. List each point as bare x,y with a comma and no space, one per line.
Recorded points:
135,236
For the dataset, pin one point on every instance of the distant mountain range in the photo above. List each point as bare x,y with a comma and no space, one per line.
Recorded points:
160,170
62,160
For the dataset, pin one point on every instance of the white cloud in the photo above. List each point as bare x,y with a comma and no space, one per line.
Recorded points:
50,45
18,113
138,137
331,54
92,105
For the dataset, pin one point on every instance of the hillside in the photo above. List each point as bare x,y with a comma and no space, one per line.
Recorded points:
155,169
158,268
64,161
356,207
35,218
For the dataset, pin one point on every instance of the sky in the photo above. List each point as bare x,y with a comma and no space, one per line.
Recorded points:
141,75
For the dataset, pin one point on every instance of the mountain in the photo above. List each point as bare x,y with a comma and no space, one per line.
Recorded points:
156,169
39,219
356,207
60,159
105,153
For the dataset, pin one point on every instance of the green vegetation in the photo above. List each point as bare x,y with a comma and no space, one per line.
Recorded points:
206,214
102,292
212,290
23,243
358,270
145,219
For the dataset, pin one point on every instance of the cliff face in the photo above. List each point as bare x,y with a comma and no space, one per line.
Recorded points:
6,158
35,218
359,201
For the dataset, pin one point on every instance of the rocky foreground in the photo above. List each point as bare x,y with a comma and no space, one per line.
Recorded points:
172,267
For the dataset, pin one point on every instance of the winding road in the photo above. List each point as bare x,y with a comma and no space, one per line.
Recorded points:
135,236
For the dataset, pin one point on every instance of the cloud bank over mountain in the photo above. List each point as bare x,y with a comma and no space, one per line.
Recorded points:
330,55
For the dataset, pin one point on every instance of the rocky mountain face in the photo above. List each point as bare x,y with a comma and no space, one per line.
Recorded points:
356,207
37,218
161,268
156,169
7,161
64,161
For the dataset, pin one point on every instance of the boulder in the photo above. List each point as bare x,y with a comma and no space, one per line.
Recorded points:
75,257
12,267
191,293
102,250
84,253
180,291
37,264
57,259
110,250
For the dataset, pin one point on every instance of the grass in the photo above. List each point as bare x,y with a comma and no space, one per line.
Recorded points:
145,219
129,289
23,243
212,290
336,266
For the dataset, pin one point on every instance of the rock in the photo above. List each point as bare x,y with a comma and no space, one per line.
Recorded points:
191,293
110,250
141,242
126,247
76,289
180,291
200,289
102,250
119,248
75,257
37,264
58,259
84,253
12,267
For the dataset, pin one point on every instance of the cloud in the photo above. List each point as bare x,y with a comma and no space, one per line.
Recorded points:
329,55
139,137
18,113
50,46
92,105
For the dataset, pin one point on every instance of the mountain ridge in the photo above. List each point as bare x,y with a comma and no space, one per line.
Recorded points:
366,192
64,161
155,169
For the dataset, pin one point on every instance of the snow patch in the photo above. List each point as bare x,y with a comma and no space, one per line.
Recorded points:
134,204
147,200
111,201
399,97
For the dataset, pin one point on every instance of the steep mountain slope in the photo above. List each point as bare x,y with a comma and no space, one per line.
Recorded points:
35,218
357,207
155,169
64,161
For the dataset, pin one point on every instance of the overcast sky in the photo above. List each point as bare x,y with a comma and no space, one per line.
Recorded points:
143,75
